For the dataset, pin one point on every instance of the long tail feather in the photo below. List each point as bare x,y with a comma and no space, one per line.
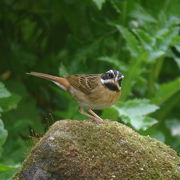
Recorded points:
61,82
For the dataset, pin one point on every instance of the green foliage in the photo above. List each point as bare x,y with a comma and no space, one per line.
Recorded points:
139,38
3,91
4,168
166,91
3,132
134,112
3,135
99,3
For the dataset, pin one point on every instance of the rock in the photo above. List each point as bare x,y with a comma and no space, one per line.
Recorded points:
80,150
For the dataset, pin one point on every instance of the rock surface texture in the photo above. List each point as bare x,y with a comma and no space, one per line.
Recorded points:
82,150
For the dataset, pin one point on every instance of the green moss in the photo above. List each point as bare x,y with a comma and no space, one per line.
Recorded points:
81,149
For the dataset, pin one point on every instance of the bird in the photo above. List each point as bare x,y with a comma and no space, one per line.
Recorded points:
91,91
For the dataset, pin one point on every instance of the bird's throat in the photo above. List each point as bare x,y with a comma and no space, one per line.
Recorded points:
112,86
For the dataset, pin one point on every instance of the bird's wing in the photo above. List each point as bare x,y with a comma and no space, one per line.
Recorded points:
84,83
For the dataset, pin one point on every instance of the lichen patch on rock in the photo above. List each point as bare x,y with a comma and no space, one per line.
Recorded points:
86,150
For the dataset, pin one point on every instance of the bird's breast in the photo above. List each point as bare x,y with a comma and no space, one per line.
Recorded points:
99,98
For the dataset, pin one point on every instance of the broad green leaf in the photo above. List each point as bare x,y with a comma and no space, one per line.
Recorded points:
137,107
99,3
145,122
135,111
4,168
142,123
3,91
166,91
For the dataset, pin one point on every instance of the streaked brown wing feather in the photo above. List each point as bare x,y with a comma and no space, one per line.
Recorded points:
84,83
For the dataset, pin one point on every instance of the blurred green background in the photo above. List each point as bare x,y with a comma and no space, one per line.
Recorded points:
60,37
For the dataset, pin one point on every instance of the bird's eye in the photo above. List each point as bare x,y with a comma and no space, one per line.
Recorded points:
110,75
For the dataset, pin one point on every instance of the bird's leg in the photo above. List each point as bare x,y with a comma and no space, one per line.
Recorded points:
95,115
86,114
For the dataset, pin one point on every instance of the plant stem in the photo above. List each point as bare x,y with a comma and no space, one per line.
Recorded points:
124,12
167,107
133,72
166,5
154,75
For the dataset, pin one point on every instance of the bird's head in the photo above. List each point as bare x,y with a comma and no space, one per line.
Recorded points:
112,80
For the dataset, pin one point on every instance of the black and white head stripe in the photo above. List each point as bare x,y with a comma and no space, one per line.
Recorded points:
110,79
111,76
116,74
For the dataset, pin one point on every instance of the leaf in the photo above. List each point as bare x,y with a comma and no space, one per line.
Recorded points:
138,107
11,102
155,54
166,37
177,60
141,15
146,39
174,126
110,60
63,70
134,70
3,91
115,63
4,168
139,56
157,134
166,91
132,42
139,122
3,135
143,122
149,45
135,111
177,46
99,3
169,106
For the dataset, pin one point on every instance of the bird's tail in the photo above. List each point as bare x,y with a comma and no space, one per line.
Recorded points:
61,82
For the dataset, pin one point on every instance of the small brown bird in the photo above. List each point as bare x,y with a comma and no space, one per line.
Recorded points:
91,91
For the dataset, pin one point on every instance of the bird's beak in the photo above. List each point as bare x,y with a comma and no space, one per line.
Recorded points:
118,78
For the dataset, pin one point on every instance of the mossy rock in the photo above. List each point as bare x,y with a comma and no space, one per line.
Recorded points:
76,150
